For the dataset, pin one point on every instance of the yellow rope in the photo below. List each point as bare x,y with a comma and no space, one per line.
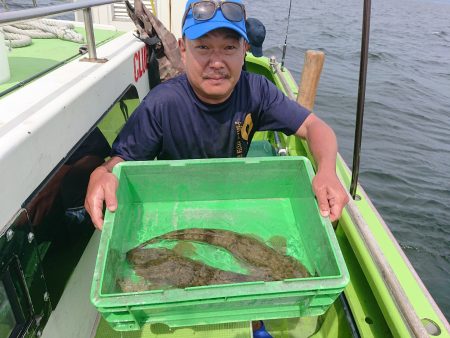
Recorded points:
153,7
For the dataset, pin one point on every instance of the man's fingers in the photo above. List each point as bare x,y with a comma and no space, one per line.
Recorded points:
94,206
97,219
322,200
336,206
101,189
331,195
335,212
96,212
110,197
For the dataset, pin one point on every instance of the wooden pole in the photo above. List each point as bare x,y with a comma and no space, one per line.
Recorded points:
312,68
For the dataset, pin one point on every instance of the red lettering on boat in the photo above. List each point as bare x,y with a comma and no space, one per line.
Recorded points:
135,69
140,63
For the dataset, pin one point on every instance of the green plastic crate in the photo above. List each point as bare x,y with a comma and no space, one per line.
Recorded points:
269,197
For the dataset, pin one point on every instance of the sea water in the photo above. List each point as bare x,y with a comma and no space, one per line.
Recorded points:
405,152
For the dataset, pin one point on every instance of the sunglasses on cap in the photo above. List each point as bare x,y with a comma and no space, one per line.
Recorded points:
206,9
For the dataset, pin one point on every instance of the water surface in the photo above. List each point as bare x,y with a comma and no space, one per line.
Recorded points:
405,149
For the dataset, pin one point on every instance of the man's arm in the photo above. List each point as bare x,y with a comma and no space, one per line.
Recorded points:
331,195
102,189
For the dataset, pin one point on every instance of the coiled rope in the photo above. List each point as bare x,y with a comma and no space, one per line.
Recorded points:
21,34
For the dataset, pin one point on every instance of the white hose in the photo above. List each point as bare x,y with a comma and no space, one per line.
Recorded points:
20,35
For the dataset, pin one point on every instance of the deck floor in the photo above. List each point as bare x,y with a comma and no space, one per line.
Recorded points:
43,54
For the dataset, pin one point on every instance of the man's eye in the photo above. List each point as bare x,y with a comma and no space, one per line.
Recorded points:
202,47
230,47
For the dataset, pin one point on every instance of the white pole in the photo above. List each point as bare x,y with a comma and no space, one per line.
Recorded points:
4,64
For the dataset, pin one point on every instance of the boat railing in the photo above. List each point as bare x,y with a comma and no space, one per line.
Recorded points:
40,12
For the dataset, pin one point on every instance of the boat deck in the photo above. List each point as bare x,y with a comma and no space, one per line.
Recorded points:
45,54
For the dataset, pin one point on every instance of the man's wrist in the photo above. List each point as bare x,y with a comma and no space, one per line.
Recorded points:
103,169
326,167
99,171
111,163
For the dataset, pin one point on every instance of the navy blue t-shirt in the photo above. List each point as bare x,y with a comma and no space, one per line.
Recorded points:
172,123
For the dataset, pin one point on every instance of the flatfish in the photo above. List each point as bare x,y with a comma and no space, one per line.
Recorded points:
254,253
165,268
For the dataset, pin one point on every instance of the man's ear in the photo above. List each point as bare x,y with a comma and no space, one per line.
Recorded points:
182,47
246,48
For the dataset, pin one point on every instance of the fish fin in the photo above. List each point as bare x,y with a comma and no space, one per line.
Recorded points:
279,244
254,236
144,244
184,248
127,285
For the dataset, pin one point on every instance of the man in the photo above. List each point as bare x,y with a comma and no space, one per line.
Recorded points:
214,110
256,33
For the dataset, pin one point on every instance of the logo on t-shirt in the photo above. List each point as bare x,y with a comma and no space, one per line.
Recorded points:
243,131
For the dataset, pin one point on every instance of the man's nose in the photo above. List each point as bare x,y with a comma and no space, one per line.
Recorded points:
216,59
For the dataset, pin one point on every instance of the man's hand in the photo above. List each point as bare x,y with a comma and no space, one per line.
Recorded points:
331,195
102,189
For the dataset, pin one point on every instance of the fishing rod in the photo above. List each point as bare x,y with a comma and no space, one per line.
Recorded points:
361,96
285,39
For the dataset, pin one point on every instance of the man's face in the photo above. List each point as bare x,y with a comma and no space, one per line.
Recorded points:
213,63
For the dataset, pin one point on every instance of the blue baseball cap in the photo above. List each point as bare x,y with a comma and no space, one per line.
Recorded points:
194,29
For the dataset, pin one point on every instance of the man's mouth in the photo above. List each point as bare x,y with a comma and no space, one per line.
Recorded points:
216,76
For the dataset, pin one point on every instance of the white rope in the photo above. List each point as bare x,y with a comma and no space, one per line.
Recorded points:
20,35
14,40
32,33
